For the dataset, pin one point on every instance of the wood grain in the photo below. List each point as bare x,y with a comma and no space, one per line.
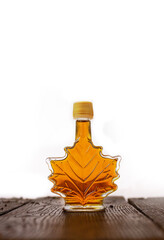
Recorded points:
7,205
153,208
44,218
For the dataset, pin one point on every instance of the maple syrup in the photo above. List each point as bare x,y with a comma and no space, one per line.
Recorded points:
84,177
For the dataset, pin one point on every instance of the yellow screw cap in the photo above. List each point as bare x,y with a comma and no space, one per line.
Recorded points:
83,110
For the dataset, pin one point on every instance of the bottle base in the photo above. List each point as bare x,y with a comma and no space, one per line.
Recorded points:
85,208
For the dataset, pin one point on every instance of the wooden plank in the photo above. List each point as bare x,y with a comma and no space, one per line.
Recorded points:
153,208
7,205
45,219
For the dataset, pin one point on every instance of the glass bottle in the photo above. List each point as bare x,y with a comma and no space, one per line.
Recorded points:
84,176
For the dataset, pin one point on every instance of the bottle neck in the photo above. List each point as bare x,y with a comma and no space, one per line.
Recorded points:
83,129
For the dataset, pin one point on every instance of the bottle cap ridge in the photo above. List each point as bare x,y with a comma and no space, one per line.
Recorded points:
83,110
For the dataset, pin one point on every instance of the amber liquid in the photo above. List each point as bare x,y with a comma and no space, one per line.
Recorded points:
84,176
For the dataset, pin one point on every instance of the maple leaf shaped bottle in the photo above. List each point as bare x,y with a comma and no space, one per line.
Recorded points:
84,176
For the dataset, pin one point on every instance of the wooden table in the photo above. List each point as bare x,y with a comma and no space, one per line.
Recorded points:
43,218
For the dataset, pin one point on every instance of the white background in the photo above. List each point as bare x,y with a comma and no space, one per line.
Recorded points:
53,53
